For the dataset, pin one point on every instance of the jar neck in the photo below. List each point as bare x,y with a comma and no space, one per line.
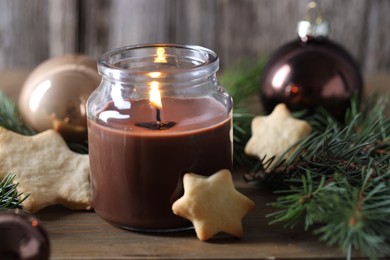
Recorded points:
163,63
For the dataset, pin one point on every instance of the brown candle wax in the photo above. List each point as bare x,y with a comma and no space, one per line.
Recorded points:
137,172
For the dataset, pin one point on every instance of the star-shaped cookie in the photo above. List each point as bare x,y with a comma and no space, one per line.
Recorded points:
273,135
212,204
46,169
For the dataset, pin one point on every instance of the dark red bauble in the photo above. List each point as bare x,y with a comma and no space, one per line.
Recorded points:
311,73
22,237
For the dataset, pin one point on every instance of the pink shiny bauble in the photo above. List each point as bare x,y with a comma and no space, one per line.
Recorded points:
308,74
55,93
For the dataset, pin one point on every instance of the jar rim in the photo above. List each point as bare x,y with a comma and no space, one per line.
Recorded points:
190,62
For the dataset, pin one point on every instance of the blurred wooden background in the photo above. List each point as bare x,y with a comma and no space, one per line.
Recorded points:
238,30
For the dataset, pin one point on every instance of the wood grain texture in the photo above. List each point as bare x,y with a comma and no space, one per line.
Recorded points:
377,37
23,32
63,21
107,24
194,22
84,235
94,27
31,31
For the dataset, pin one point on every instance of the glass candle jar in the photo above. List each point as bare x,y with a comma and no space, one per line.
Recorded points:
158,113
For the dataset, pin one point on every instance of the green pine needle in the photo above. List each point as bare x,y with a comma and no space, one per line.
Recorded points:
243,81
11,120
9,197
9,117
339,178
357,217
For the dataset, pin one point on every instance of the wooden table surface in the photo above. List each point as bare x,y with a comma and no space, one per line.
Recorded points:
83,235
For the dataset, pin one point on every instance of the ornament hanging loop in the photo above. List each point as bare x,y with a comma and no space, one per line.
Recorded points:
314,24
313,13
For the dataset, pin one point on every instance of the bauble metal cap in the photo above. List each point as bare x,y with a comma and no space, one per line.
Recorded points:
313,26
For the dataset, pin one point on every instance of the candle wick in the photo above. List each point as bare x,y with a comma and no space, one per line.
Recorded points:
159,125
158,115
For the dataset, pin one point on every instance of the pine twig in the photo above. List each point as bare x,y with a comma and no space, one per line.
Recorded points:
9,197
357,217
339,178
243,81
10,118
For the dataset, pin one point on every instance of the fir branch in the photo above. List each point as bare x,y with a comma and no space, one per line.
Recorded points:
339,178
300,202
9,117
357,216
9,197
242,81
11,120
332,146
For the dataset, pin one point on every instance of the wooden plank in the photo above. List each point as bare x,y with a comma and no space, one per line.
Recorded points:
236,30
376,54
194,22
33,31
94,28
247,30
149,22
346,19
111,24
63,24
255,28
82,235
22,45
30,32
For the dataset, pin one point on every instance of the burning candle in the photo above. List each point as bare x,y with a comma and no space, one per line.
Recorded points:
155,101
158,113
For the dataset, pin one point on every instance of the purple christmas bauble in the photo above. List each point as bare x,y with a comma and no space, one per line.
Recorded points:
309,72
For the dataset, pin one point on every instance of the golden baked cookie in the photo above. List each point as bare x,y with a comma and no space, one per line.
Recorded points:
46,169
212,204
274,134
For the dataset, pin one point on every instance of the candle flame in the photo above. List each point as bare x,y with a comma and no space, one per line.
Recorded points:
154,95
155,74
160,55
